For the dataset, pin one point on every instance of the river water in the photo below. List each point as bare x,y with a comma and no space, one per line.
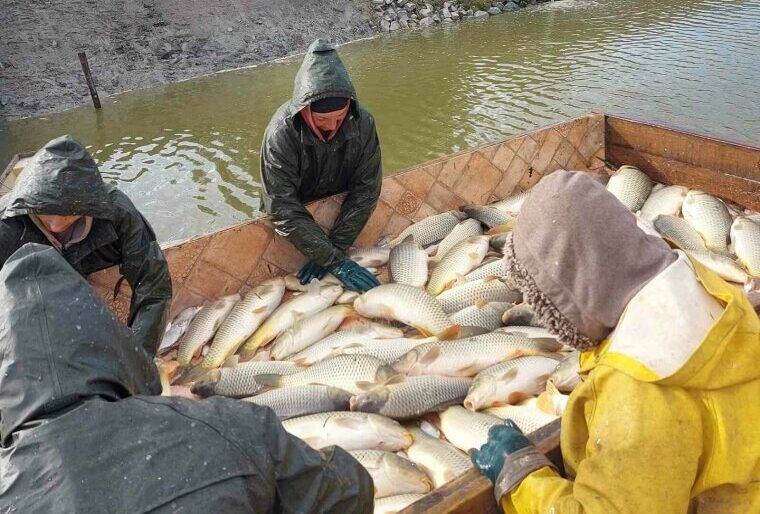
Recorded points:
188,153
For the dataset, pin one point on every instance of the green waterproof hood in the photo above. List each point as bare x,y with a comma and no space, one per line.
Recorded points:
59,343
61,178
322,75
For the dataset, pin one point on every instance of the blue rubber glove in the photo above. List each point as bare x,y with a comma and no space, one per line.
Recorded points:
354,276
502,440
311,270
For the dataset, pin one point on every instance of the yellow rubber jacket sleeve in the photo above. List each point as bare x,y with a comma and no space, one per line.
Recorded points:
641,453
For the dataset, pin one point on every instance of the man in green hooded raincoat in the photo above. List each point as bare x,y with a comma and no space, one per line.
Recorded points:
60,200
319,143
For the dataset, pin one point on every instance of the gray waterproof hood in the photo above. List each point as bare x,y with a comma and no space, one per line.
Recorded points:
47,362
61,178
322,75
578,257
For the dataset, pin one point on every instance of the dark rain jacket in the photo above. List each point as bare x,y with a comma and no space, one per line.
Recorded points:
77,436
296,167
62,178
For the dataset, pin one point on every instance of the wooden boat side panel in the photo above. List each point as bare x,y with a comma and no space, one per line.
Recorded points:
728,170
11,172
472,493
236,258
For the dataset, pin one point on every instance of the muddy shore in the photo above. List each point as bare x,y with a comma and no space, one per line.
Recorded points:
144,43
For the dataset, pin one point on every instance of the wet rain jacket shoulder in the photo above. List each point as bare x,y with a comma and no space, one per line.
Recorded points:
296,167
78,434
62,178
666,421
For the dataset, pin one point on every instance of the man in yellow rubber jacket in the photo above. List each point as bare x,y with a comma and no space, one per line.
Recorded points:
667,418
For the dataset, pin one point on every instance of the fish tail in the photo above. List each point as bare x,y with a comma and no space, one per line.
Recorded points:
449,333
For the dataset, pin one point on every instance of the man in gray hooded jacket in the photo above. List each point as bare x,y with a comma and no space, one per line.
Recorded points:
319,143
60,200
78,435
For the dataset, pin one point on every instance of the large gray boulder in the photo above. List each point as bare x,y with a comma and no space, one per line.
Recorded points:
493,11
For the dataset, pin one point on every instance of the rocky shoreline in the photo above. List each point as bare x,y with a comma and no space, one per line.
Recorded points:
395,15
138,45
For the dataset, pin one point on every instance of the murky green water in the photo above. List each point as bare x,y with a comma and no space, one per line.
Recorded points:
188,153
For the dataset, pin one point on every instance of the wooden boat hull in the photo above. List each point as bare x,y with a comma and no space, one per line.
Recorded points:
238,257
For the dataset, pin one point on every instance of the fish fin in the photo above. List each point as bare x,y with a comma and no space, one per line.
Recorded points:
481,303
544,403
450,333
547,344
540,380
364,385
469,370
473,255
408,239
269,380
383,241
490,278
301,362
395,379
231,361
459,279
387,312
311,441
430,355
350,423
422,331
516,397
509,375
551,389
259,310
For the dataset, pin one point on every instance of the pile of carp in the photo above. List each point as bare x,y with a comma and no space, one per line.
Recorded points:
410,376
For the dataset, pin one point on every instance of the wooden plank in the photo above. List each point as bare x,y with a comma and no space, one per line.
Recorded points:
472,493
724,157
740,190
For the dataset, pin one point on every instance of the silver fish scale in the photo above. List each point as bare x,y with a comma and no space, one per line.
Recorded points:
461,232
667,200
631,186
297,401
528,419
372,256
489,216
203,326
745,240
387,350
710,217
497,268
429,230
513,204
467,294
408,264
440,459
414,303
467,430
321,349
341,371
460,260
420,395
680,232
494,347
240,381
528,361
475,316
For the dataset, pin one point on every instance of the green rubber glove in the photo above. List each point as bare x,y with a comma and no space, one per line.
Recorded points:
502,440
354,276
311,270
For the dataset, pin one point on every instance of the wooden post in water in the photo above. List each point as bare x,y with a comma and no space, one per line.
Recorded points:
88,77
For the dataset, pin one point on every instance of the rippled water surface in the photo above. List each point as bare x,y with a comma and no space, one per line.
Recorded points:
188,153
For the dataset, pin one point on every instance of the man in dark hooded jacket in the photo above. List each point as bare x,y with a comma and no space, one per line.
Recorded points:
319,143
76,435
60,200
